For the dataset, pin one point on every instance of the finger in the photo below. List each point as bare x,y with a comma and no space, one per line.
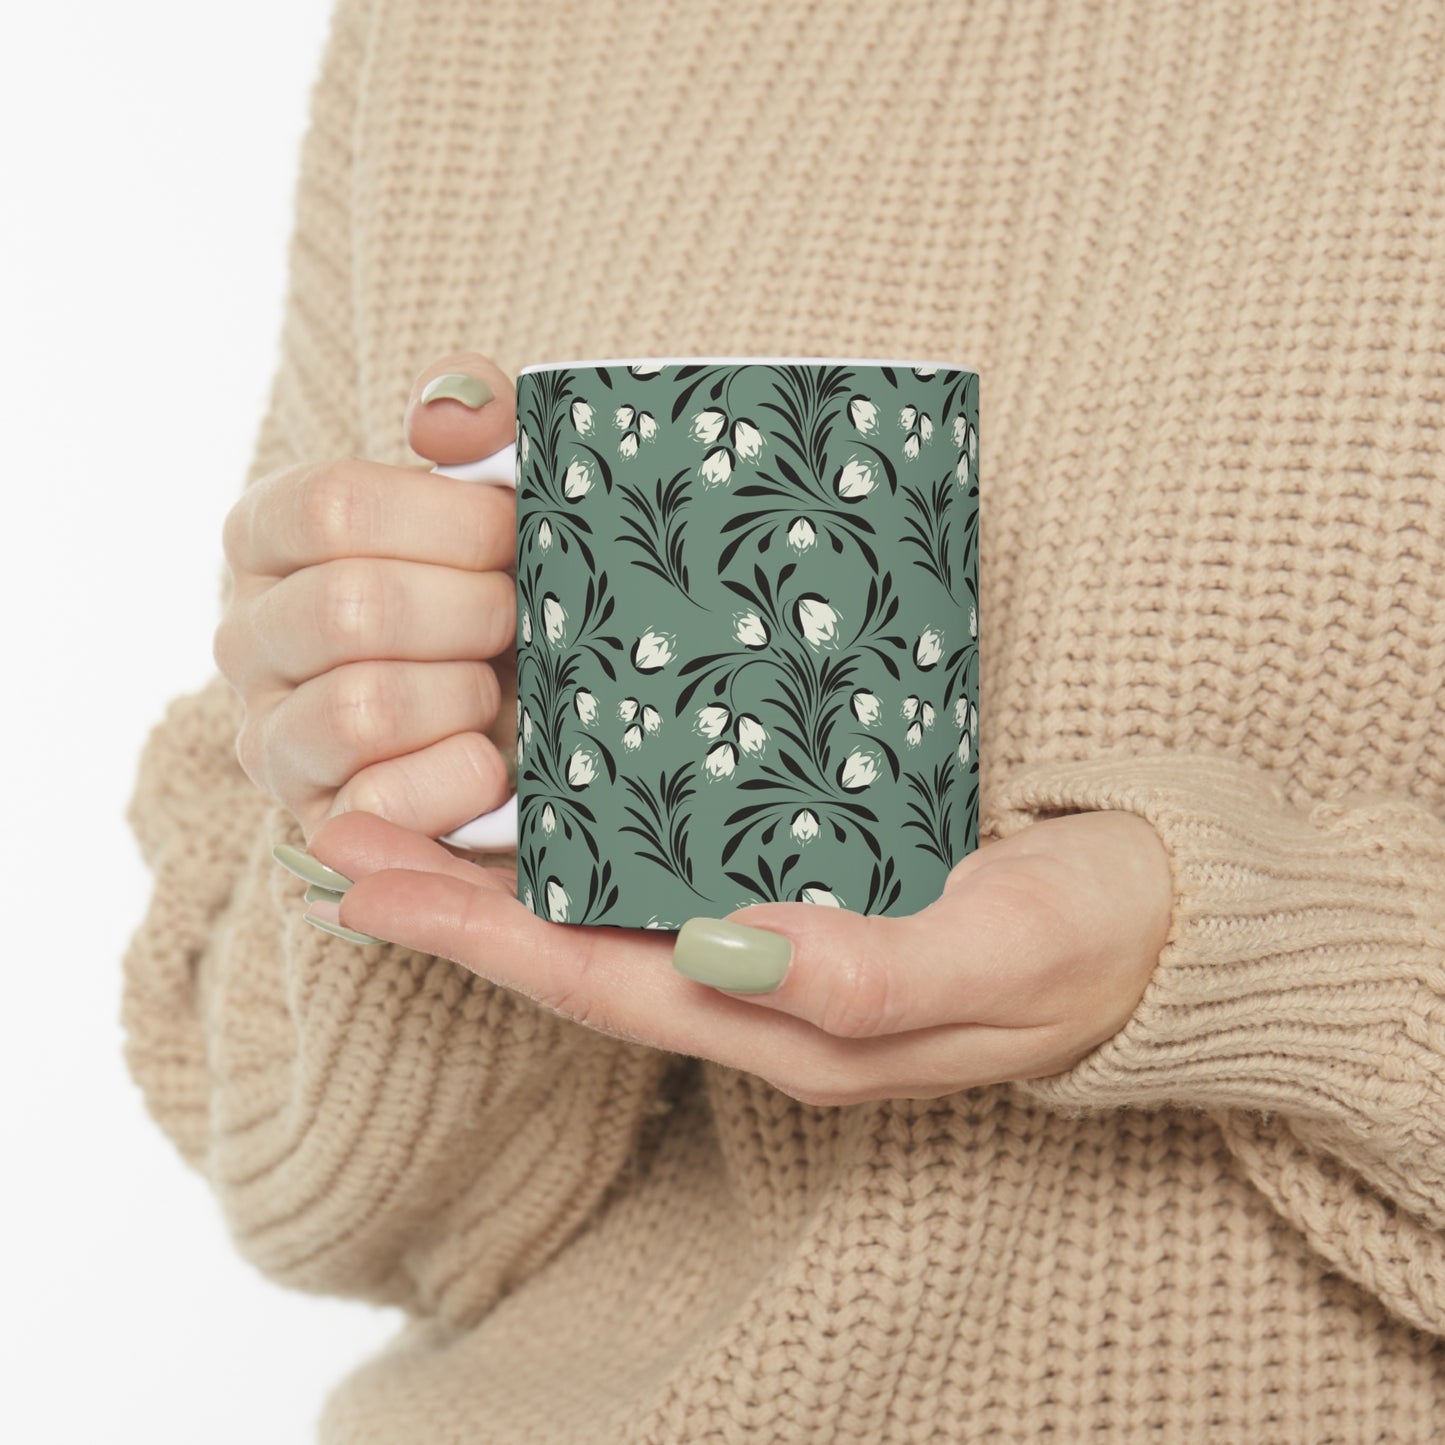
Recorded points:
433,790
301,516
358,844
471,415
367,608
861,976
620,981
330,728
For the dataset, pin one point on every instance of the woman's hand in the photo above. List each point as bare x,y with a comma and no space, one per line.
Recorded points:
366,598
1038,951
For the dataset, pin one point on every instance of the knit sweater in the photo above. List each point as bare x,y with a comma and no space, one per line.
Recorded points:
1198,255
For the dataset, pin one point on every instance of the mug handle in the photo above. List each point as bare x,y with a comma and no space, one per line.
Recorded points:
496,830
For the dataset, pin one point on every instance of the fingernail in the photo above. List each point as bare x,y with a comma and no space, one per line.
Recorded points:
323,895
471,391
731,955
304,866
349,934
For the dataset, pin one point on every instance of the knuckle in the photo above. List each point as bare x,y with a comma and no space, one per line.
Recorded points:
250,752
500,612
361,709
861,1000
235,530
224,646
331,508
352,607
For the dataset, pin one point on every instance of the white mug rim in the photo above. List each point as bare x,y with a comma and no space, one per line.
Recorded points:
629,361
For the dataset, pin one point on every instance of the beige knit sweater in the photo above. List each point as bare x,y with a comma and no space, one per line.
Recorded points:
1198,252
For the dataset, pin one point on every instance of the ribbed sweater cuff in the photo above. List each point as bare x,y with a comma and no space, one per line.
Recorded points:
1304,971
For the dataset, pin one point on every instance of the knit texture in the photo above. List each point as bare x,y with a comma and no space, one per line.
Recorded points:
1198,255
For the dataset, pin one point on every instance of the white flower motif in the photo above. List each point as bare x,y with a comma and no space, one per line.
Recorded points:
527,727
915,734
816,620
973,443
549,820
925,427
750,629
647,425
628,445
581,768
707,425
557,901
907,417
622,417
805,825
863,414
972,718
717,467
578,481
854,480
528,901
962,470
752,735
519,755
960,713
586,705
857,771
525,447
544,535
924,372
656,922
965,748
653,651
927,716
627,709
712,720
554,620
960,429
645,368
632,738
928,649
747,439
973,621
722,760
910,707
910,446
526,626
801,534
865,707
816,893
651,718
581,417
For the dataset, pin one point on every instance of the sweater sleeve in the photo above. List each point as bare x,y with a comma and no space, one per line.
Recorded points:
1299,1000
375,1123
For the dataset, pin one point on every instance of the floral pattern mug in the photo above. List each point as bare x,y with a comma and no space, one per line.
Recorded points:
747,635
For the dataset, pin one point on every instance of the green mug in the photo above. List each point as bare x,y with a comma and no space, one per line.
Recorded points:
747,635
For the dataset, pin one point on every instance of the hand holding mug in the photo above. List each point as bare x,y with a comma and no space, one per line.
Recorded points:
371,623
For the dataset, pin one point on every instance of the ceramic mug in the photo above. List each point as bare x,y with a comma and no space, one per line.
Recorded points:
747,636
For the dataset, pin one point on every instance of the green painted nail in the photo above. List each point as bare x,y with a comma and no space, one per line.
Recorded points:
304,866
349,934
471,391
322,895
731,955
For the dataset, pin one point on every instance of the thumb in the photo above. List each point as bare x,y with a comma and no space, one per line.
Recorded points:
851,975
462,408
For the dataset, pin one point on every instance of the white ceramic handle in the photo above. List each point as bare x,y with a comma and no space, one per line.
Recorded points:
497,830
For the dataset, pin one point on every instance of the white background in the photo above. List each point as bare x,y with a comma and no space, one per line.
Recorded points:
148,152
